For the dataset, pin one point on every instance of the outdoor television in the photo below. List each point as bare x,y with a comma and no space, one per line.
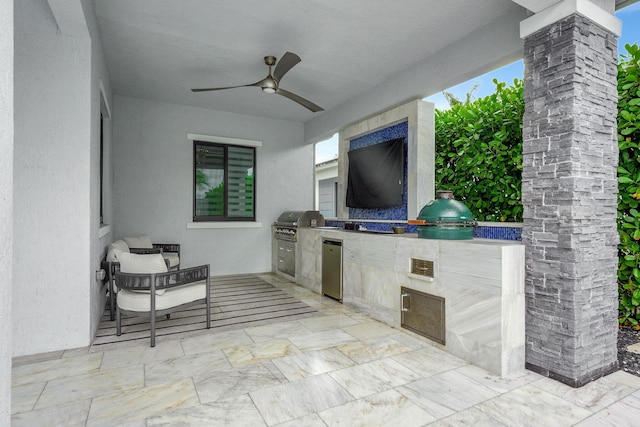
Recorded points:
375,175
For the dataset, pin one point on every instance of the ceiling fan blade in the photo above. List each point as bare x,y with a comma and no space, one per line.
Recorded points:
208,89
300,100
285,63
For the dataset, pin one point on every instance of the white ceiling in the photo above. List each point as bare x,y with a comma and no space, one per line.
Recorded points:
160,49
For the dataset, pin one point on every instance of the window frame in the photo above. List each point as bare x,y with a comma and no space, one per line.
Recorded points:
101,168
105,212
211,142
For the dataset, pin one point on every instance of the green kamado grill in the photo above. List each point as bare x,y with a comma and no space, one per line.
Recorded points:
445,218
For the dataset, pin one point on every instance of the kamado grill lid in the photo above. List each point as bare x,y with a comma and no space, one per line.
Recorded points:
446,211
445,218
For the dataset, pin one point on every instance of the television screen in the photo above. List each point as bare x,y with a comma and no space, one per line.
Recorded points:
375,175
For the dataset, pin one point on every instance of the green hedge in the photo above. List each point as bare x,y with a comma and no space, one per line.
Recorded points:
479,158
479,153
629,185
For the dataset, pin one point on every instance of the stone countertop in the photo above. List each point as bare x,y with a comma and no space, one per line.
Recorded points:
475,240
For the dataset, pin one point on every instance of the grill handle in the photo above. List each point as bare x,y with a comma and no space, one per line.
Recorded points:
405,307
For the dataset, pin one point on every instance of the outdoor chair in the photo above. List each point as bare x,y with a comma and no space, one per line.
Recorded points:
170,251
138,245
146,288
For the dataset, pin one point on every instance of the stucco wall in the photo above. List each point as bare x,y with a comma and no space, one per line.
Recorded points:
6,203
153,180
100,88
52,278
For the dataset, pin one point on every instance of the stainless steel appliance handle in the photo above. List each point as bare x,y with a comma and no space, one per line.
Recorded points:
403,306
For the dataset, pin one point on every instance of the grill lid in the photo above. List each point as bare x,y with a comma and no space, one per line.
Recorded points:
301,219
445,218
289,218
447,211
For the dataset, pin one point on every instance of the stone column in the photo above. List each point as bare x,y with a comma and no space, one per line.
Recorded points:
569,192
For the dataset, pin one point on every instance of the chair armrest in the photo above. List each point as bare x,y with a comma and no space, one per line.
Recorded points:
145,251
158,281
168,247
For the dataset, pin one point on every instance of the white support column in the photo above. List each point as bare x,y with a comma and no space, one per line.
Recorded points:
564,8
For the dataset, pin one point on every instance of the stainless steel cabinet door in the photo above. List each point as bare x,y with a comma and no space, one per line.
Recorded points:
287,257
332,269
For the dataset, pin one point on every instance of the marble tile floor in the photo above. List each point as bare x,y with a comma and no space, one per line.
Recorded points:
340,369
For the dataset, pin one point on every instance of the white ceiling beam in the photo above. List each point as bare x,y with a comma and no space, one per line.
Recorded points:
70,17
536,6
565,8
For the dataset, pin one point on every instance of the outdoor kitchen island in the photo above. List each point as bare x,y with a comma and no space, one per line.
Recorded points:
480,280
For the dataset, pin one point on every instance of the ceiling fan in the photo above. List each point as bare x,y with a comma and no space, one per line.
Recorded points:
271,83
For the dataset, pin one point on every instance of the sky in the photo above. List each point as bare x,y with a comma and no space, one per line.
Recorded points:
630,17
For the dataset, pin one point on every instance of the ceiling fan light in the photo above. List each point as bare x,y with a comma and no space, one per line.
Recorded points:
268,89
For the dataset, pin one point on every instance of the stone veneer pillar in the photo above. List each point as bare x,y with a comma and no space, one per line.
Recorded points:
569,192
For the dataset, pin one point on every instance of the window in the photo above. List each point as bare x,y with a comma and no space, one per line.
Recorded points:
101,169
224,182
105,164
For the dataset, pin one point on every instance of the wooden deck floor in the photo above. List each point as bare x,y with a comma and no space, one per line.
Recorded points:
237,302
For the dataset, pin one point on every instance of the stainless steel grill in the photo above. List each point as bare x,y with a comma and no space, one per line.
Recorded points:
286,226
285,233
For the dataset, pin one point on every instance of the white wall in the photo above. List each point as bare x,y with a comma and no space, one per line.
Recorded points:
52,173
153,167
99,239
6,204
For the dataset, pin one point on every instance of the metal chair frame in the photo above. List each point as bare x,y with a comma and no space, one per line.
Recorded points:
154,282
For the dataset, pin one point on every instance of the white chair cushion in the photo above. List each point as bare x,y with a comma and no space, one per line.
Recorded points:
115,249
143,242
173,258
145,264
173,297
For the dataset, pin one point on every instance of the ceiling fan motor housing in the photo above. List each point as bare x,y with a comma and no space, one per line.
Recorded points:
269,84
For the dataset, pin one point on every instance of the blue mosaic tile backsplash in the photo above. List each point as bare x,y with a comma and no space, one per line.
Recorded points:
480,232
392,132
502,233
